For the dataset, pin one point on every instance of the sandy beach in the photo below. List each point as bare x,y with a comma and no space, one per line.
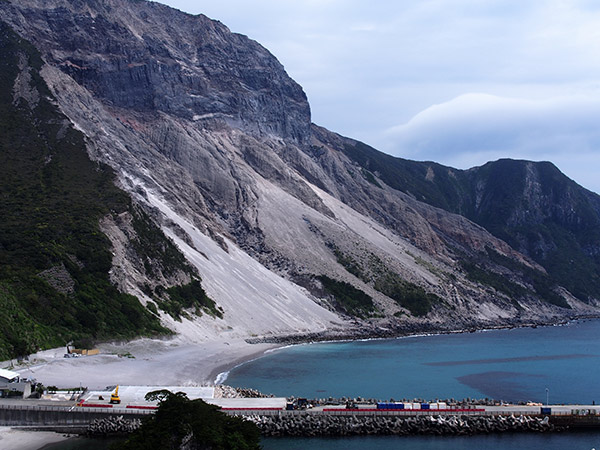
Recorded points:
140,362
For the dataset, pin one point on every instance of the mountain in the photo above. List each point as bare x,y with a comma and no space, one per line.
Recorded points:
227,212
531,206
54,275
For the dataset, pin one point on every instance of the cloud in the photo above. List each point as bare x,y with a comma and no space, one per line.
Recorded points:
368,67
475,128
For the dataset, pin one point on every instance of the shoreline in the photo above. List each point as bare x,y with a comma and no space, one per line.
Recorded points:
141,362
178,362
217,371
405,330
286,341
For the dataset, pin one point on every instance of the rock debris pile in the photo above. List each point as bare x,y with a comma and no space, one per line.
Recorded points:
329,425
113,425
224,391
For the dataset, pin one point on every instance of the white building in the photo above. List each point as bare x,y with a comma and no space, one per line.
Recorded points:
11,382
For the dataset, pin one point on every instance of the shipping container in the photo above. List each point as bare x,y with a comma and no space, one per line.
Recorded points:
546,410
424,405
390,405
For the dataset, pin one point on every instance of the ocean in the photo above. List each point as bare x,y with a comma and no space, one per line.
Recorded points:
559,364
512,365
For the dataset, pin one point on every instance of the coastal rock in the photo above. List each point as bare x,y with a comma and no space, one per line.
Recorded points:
113,425
310,425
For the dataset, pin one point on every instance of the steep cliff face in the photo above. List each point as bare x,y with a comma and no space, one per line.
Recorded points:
149,58
284,221
545,215
55,264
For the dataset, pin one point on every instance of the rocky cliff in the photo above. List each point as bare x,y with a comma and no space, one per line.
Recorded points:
530,205
292,228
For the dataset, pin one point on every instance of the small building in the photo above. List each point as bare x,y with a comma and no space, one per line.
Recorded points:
11,382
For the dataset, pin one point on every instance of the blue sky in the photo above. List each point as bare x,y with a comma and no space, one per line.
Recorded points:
460,82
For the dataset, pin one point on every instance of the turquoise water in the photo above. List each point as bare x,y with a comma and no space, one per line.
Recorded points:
511,365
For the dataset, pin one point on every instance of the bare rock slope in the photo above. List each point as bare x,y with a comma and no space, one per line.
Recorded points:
210,136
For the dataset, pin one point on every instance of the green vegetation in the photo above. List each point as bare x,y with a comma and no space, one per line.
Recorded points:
558,225
495,280
561,236
445,191
188,296
201,425
21,333
569,263
370,177
160,254
541,284
351,300
347,262
54,260
406,294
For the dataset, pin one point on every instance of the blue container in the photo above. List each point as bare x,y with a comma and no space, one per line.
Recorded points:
424,405
546,410
390,405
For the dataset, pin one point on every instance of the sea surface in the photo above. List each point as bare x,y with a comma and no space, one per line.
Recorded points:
559,364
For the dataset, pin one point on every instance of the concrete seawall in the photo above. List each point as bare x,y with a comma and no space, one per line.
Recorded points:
23,415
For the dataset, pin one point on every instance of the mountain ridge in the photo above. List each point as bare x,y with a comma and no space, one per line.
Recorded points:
526,198
282,219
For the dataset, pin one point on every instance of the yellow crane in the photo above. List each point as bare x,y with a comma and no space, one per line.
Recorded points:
114,397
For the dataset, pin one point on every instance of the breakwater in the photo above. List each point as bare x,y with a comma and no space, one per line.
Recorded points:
113,425
310,425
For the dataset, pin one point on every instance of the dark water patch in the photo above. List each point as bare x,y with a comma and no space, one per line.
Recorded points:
83,443
550,441
506,386
429,367
508,360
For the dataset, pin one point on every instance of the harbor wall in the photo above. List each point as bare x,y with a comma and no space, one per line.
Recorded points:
22,415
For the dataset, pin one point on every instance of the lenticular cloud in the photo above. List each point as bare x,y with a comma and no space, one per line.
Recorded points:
480,126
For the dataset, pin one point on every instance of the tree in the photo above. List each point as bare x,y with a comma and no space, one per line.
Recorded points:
194,424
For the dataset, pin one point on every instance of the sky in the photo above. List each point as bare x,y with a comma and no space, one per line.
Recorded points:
459,82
